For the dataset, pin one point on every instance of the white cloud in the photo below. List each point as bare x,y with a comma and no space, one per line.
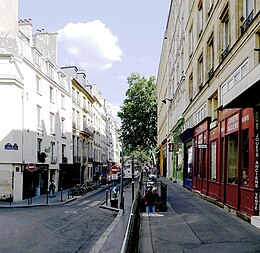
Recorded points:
90,45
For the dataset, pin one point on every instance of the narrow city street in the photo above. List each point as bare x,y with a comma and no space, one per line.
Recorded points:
66,228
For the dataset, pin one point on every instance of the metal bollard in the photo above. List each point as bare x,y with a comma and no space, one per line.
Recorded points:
106,196
60,194
68,194
110,190
10,199
47,197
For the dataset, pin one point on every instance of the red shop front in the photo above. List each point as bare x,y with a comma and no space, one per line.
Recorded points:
237,159
200,179
226,160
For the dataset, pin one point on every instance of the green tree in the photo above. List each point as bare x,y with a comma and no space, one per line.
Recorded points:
139,114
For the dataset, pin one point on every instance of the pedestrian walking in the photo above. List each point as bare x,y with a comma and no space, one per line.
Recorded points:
52,188
152,200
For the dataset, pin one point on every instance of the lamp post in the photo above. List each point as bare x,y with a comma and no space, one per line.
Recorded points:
121,179
167,136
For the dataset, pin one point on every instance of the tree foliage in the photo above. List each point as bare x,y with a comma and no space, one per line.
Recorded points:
139,114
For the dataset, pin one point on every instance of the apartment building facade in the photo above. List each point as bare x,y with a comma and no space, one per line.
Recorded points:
220,106
47,130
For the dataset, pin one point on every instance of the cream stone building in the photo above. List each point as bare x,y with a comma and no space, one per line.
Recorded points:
213,78
53,126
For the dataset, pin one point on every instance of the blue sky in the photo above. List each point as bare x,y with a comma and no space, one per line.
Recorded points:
110,39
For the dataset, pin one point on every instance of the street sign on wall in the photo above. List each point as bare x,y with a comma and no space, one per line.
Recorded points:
31,167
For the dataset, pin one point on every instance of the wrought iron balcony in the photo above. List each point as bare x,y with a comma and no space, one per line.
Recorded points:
210,10
64,159
76,159
53,159
225,53
211,73
247,22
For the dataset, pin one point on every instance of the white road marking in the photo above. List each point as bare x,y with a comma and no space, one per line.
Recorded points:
85,208
152,214
83,202
94,203
70,211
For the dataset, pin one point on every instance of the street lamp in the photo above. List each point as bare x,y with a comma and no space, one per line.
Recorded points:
167,135
121,179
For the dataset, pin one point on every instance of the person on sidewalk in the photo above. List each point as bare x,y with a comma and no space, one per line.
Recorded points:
152,200
52,188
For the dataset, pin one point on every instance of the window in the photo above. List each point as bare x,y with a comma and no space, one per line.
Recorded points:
232,158
200,71
52,126
245,158
50,69
213,160
39,120
63,153
78,120
191,87
73,95
225,32
248,7
213,104
78,98
37,58
84,103
39,146
225,42
211,56
51,94
211,3
200,15
63,127
53,152
73,118
38,84
191,41
62,101
248,14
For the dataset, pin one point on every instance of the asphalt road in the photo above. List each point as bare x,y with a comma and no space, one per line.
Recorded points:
72,227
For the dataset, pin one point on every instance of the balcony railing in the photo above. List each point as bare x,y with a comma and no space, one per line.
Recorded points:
53,159
76,159
210,10
64,159
247,22
225,53
90,159
211,73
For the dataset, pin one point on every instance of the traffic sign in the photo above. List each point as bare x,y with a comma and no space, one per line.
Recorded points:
31,167
114,169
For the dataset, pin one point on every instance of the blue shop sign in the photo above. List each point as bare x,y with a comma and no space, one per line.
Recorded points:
9,146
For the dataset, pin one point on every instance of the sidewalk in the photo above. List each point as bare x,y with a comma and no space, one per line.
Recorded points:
60,198
113,238
192,224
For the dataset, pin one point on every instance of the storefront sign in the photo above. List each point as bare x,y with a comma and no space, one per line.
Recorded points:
9,146
202,146
256,160
232,123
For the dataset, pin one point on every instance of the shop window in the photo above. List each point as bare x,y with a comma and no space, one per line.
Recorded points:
189,160
245,157
201,162
213,160
232,158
